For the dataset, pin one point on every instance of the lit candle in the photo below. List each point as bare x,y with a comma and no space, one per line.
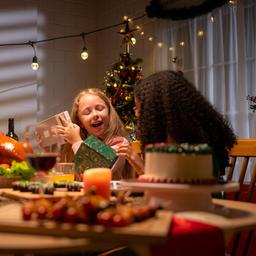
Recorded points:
98,179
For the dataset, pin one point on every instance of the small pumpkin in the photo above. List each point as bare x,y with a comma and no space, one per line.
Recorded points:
10,150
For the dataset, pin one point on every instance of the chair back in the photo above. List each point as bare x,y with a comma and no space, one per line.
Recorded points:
136,147
245,149
243,243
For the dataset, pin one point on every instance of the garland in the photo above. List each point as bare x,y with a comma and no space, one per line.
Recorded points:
160,10
179,148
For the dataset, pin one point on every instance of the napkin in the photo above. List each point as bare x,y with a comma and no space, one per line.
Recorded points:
189,238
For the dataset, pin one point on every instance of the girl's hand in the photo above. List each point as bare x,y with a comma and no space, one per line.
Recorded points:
133,158
69,131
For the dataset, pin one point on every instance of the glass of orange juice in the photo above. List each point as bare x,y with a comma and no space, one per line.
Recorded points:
63,172
98,179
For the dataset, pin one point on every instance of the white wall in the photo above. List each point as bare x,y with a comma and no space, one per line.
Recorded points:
62,73
17,81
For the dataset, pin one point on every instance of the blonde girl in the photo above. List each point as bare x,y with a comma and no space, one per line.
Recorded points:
93,114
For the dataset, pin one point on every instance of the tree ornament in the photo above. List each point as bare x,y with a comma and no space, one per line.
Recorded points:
129,127
128,98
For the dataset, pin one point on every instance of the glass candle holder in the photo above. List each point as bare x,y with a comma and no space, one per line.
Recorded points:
98,179
63,172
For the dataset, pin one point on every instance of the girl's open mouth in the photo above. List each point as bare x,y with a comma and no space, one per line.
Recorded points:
95,125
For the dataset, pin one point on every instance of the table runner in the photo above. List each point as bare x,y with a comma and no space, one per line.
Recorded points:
188,238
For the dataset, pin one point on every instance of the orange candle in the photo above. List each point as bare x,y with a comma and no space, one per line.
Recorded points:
99,179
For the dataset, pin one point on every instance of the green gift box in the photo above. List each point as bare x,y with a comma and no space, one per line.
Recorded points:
94,153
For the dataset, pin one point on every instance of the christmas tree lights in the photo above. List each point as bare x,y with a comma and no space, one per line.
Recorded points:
120,80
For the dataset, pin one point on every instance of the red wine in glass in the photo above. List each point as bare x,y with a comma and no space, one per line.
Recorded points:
42,162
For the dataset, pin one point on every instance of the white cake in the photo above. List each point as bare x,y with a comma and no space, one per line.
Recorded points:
178,163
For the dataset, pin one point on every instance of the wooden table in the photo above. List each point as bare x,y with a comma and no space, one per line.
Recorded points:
20,244
230,216
45,237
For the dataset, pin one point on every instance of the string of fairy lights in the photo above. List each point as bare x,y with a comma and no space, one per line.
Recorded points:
126,32
200,33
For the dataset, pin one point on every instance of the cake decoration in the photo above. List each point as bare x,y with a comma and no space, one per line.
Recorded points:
178,163
179,148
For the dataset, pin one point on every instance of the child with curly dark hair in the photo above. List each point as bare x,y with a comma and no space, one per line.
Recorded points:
170,109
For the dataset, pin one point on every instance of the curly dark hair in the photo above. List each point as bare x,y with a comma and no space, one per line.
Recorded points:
170,106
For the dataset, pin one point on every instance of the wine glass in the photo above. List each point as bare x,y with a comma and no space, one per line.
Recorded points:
44,148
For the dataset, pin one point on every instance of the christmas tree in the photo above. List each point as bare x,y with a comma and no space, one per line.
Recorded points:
120,80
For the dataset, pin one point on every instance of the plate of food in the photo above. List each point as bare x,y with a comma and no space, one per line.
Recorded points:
86,217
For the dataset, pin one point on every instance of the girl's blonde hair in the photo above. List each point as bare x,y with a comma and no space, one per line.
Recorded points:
115,126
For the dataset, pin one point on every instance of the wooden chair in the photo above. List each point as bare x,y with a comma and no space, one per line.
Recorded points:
244,150
136,146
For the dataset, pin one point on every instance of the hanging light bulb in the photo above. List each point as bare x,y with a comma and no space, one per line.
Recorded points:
34,64
200,33
133,39
160,44
174,60
84,53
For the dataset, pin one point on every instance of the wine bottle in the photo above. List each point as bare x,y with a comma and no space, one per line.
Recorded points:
11,132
